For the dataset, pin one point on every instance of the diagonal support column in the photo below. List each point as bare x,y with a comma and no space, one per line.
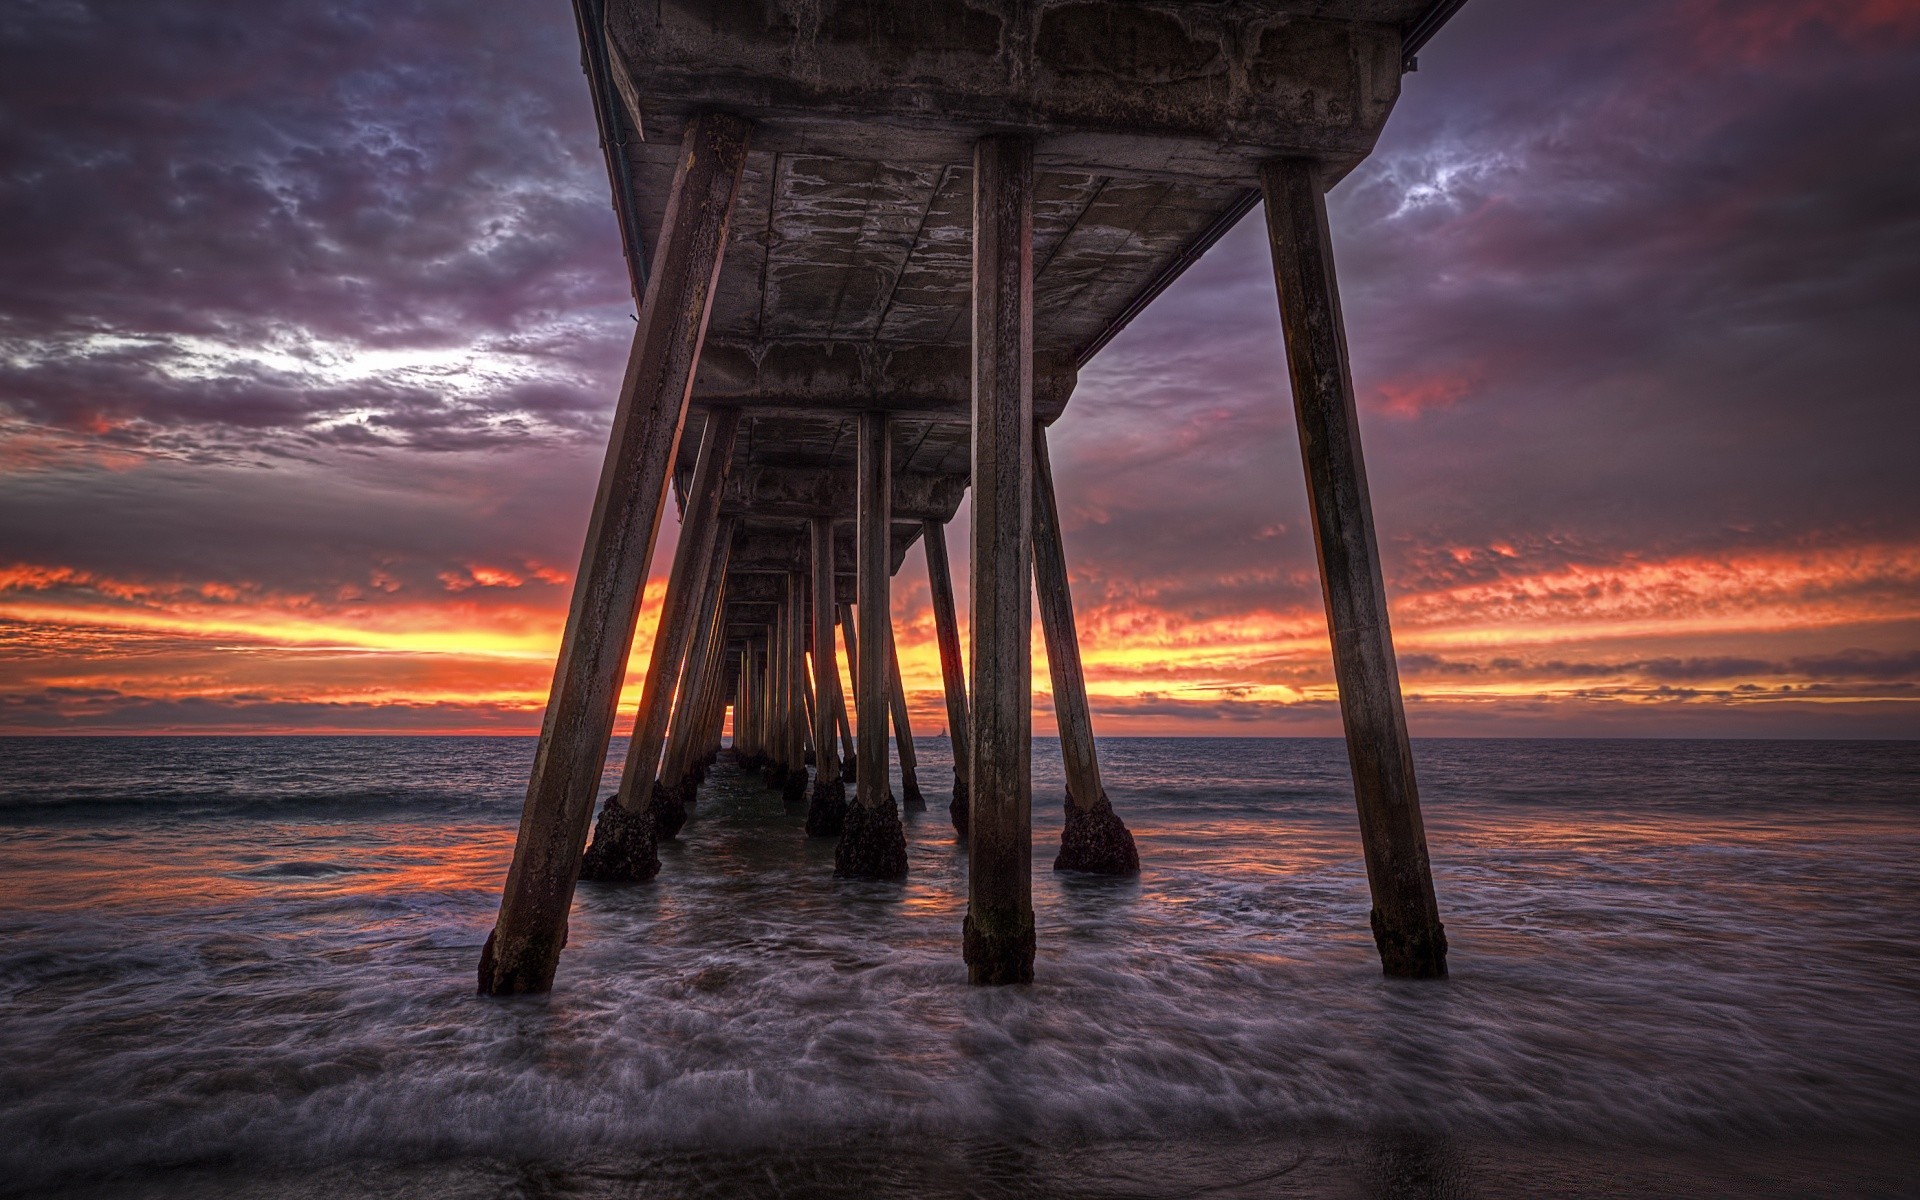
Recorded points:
1094,838
1406,917
847,751
910,798
946,628
998,934
623,848
872,843
678,773
852,636
827,806
523,950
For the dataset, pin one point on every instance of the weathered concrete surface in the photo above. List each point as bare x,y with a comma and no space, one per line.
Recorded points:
1406,917
872,843
847,283
523,950
827,806
1094,839
1174,87
1126,136
998,932
953,673
911,799
626,846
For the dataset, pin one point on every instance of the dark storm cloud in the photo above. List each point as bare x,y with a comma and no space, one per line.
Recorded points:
358,223
1631,278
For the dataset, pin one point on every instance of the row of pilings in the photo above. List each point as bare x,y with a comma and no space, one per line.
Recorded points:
1015,551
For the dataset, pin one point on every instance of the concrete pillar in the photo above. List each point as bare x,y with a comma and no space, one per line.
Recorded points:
523,950
910,798
743,704
623,847
1406,917
769,704
794,788
1094,838
770,719
848,773
953,676
780,712
827,806
679,773
806,700
762,701
852,774
738,701
872,843
998,934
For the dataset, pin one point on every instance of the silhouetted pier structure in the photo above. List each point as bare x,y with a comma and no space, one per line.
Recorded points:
873,244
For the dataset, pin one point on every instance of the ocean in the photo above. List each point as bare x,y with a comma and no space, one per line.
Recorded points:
246,966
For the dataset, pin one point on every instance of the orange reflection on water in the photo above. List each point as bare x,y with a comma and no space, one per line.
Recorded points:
196,866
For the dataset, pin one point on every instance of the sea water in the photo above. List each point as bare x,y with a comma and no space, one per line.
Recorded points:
246,966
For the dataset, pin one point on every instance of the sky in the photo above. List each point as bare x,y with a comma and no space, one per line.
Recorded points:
312,316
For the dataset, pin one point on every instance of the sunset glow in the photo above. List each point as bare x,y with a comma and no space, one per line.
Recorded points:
309,442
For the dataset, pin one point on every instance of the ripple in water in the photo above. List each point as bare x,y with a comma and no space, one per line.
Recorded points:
1677,966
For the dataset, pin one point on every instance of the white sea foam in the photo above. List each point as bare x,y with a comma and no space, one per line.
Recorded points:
274,990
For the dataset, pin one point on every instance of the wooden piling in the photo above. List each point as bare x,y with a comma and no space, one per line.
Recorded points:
1406,917
872,843
1094,838
998,933
911,799
827,805
523,950
953,671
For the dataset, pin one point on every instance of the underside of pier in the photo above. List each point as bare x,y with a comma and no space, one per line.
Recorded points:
872,245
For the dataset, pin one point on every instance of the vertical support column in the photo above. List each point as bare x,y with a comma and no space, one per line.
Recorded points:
794,740
770,705
998,934
775,773
827,806
946,627
523,950
739,702
1094,838
1406,917
780,713
872,843
910,798
743,706
641,812
757,651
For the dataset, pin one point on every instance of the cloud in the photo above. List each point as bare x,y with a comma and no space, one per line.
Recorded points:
313,318
302,228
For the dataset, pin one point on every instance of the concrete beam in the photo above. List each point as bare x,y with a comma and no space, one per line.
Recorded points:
808,492
809,377
1153,85
759,551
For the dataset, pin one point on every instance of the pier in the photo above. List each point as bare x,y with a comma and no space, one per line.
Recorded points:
872,245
